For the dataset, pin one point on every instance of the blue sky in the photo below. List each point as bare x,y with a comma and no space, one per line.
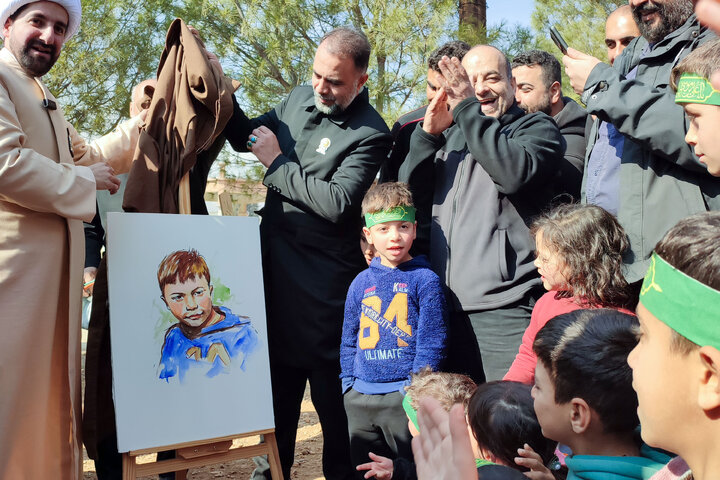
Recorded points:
513,11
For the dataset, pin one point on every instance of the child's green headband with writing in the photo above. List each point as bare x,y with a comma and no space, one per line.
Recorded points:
410,411
694,88
403,214
689,307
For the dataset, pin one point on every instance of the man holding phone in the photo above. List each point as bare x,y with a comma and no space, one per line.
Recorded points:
638,165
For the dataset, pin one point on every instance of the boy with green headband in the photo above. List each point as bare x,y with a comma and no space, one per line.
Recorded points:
395,324
676,364
701,102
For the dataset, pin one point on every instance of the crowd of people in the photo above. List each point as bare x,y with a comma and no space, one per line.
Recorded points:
535,291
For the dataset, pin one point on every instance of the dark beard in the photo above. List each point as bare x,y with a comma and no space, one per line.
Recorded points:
673,15
34,66
545,107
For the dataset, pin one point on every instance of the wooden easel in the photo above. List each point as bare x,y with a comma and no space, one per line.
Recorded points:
204,452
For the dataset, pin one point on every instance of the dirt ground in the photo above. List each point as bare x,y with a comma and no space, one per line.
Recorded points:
308,452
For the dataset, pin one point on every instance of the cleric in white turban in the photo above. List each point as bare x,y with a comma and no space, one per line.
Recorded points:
48,181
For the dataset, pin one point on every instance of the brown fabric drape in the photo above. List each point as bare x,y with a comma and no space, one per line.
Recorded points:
190,107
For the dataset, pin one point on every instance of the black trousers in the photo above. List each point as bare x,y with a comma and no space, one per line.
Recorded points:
288,384
378,424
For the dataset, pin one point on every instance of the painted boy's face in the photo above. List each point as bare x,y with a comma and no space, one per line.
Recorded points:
661,378
554,418
703,136
392,240
190,302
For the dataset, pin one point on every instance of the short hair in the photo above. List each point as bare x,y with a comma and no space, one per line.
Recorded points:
704,61
455,48
447,388
502,418
591,242
181,266
585,353
548,64
348,42
385,196
691,246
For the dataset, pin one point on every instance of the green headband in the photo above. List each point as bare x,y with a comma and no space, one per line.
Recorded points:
410,411
403,214
689,307
693,88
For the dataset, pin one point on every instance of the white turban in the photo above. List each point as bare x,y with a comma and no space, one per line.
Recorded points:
72,7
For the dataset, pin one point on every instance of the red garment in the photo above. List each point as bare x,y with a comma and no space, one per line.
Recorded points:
547,307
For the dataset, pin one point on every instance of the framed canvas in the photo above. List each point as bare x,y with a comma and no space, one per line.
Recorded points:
187,328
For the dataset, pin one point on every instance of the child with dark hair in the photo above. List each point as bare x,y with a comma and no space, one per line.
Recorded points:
676,363
579,258
394,325
584,396
503,421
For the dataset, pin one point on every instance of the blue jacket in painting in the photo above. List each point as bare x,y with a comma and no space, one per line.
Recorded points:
395,324
214,351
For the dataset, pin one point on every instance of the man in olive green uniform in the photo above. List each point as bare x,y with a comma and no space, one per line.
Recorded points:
322,146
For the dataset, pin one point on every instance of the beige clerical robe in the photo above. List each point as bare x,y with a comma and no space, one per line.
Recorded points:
45,193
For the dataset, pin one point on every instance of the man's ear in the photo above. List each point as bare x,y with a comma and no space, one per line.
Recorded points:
361,82
709,387
555,92
6,30
580,415
368,237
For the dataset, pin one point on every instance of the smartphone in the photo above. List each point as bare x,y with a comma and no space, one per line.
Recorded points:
559,40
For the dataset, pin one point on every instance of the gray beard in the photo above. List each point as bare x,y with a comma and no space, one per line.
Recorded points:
673,15
333,109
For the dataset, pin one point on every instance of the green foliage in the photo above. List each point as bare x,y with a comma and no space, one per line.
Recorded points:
581,23
118,45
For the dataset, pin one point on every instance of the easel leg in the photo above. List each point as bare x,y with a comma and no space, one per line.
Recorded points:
273,456
129,465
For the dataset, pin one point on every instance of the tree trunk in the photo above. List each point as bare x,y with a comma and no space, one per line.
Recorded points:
473,21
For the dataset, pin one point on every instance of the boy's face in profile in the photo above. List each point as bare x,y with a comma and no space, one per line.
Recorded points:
703,135
662,378
190,302
554,418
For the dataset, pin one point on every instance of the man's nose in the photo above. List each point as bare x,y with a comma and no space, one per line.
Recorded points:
322,87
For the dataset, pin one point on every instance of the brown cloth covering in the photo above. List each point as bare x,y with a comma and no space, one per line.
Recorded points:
190,107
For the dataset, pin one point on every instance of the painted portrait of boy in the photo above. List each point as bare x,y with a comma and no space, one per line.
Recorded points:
206,338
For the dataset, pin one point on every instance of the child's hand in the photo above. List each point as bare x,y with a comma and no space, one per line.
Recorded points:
380,467
530,459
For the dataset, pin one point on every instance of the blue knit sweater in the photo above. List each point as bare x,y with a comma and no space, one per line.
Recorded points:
395,324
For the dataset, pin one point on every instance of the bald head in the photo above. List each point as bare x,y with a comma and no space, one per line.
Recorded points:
620,29
491,76
141,96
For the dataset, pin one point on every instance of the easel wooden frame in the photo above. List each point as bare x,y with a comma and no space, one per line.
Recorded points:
203,452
